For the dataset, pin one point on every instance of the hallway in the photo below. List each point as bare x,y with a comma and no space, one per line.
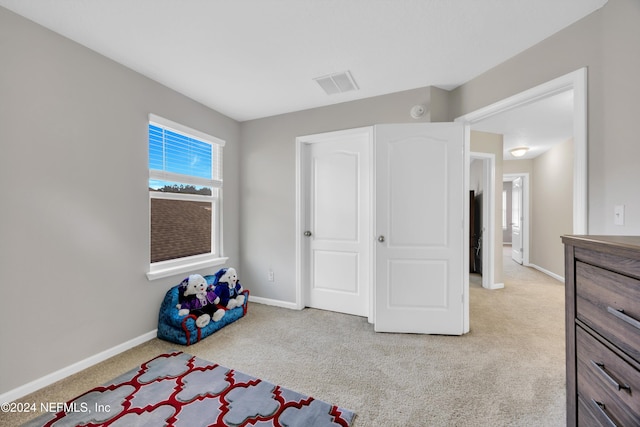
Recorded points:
514,273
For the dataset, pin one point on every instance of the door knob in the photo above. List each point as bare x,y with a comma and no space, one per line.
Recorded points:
381,238
307,233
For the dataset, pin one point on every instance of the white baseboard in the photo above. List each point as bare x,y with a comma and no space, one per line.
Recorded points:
496,286
51,378
274,302
547,272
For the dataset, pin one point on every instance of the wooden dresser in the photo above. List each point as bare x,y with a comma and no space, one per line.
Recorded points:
602,281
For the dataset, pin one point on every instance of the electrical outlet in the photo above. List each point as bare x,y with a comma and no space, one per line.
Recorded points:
271,276
618,215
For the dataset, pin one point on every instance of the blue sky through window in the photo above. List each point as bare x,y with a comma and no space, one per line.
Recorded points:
173,152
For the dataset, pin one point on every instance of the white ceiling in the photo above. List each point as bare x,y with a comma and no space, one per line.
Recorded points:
539,125
256,58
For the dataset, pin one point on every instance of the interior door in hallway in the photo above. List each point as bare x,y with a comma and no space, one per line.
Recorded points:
338,212
516,220
420,258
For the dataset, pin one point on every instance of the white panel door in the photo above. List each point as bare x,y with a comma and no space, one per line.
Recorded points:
516,220
338,222
419,210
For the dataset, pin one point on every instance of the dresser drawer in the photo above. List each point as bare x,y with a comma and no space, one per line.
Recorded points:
610,304
608,385
586,417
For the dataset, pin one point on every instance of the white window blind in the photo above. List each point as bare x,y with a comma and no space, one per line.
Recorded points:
183,155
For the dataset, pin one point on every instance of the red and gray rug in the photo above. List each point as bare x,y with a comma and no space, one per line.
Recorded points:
178,389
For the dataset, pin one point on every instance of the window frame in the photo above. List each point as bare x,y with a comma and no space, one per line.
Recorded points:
215,257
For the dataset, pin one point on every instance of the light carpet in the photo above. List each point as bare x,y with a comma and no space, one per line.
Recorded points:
509,370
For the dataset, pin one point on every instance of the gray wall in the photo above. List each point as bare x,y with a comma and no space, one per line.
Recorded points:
605,42
268,180
551,206
551,203
74,240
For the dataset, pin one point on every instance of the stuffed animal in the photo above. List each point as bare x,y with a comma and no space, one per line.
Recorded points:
228,288
198,298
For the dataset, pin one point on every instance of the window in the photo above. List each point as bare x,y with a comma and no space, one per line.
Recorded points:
185,192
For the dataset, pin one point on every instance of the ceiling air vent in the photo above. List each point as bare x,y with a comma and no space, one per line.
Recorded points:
337,83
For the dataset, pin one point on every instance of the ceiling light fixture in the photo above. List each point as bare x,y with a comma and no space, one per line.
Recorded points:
337,83
519,151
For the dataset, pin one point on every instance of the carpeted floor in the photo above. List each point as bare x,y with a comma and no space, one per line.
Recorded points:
183,390
508,371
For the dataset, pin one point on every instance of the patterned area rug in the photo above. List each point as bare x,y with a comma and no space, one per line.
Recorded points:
179,389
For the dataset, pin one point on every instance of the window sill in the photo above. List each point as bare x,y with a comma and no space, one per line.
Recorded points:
160,272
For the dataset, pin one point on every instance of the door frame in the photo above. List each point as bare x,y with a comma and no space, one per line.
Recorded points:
576,81
488,217
525,213
301,210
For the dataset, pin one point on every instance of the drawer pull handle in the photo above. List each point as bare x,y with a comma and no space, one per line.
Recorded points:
602,410
620,314
609,378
